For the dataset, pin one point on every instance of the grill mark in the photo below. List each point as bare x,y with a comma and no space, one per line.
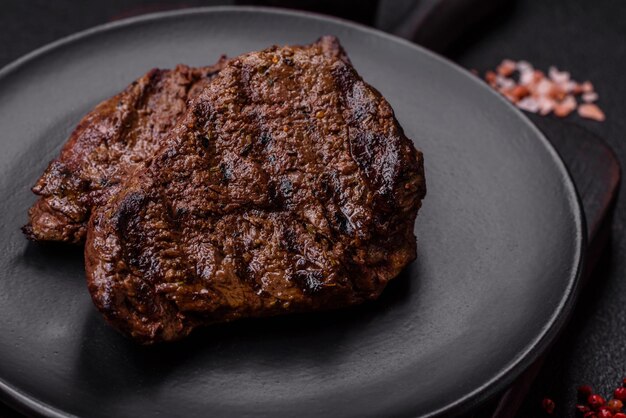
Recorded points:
126,220
255,129
377,157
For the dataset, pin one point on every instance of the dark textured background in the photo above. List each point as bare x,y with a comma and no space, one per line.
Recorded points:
587,38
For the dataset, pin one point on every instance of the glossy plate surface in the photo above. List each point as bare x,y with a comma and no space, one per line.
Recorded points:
500,239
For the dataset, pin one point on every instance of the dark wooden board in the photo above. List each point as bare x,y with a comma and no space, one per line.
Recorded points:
596,173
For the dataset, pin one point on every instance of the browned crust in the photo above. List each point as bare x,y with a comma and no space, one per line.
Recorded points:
288,186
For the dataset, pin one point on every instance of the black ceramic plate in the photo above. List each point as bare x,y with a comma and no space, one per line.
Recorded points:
500,240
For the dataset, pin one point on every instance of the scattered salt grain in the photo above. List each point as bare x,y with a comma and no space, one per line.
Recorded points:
529,104
545,105
523,65
504,82
590,97
591,111
565,107
559,77
506,68
570,86
526,77
543,88
587,87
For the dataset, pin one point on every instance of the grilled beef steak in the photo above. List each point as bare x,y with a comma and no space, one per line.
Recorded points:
287,187
107,144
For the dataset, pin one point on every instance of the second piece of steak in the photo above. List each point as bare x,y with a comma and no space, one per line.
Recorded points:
108,143
289,186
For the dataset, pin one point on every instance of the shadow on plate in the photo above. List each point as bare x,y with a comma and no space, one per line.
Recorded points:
117,365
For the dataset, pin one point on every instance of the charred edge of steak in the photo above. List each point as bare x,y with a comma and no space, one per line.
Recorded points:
67,191
386,159
131,304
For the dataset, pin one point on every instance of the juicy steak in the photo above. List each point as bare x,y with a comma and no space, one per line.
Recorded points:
107,145
288,186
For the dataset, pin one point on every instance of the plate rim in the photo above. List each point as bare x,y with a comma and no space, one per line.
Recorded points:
26,403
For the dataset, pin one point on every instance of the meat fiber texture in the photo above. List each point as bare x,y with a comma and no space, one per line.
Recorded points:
108,144
288,186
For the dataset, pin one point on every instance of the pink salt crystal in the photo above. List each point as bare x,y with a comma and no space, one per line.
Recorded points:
535,92
544,87
546,105
506,67
557,93
591,111
505,83
528,104
524,66
590,97
570,86
577,89
509,63
587,87
559,77
526,76
565,107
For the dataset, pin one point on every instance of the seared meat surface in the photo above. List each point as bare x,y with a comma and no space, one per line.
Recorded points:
107,145
288,186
